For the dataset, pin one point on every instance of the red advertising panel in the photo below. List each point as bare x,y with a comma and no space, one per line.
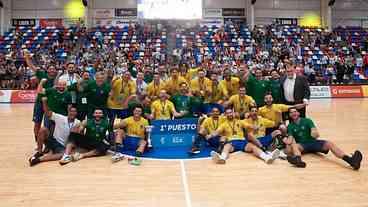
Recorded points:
25,96
346,91
51,23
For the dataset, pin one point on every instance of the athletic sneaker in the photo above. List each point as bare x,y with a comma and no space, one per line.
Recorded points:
116,157
296,161
76,156
194,150
273,156
217,158
135,161
356,159
65,159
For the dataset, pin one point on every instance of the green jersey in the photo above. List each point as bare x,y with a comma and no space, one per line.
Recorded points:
276,91
97,95
41,74
301,131
186,103
97,131
257,89
81,96
58,101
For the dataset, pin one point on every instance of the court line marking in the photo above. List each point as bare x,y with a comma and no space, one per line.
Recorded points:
185,184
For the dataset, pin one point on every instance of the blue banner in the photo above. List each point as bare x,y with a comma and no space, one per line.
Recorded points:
173,133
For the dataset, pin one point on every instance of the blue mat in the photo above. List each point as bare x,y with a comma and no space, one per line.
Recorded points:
172,153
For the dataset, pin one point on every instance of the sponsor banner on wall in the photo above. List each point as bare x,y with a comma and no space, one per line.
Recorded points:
51,23
73,22
23,96
346,91
286,21
320,91
365,91
127,12
239,20
173,133
5,96
233,12
103,13
212,12
210,22
24,22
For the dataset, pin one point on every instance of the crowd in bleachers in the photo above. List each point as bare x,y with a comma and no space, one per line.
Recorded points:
324,57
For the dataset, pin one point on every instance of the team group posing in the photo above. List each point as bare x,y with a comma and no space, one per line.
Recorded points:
237,111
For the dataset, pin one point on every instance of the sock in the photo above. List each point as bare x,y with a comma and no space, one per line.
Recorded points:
347,159
264,156
224,155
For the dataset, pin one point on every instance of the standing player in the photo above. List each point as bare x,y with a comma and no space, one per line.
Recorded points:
306,136
218,95
230,83
163,109
257,86
91,136
97,93
233,131
122,91
81,96
241,103
131,135
154,88
49,75
70,77
56,144
172,84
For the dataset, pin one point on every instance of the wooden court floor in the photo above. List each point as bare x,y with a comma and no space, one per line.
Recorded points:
243,181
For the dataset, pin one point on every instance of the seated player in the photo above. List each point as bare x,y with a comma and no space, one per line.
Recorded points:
208,126
241,103
91,137
232,130
306,136
56,143
131,135
163,109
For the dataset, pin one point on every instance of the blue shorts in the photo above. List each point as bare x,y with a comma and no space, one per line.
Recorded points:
54,145
214,142
314,147
238,145
117,113
37,112
207,108
131,143
266,141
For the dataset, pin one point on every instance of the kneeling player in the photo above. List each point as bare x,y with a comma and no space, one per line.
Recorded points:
91,136
306,136
233,129
131,135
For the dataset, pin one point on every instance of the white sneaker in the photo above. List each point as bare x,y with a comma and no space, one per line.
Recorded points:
273,156
117,156
216,157
76,156
282,155
65,159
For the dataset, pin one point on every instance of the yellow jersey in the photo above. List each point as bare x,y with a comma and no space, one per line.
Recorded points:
231,86
233,129
154,90
191,74
197,85
258,127
211,125
172,85
241,104
135,128
162,110
120,90
218,92
273,113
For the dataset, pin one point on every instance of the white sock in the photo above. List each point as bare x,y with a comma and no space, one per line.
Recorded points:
264,156
224,155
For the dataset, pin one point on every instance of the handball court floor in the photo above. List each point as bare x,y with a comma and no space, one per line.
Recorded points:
243,181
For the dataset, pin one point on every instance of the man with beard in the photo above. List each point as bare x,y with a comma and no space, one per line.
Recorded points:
306,135
91,136
257,86
154,88
231,84
97,94
49,75
183,102
232,130
81,96
217,96
275,87
172,84
70,77
241,103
